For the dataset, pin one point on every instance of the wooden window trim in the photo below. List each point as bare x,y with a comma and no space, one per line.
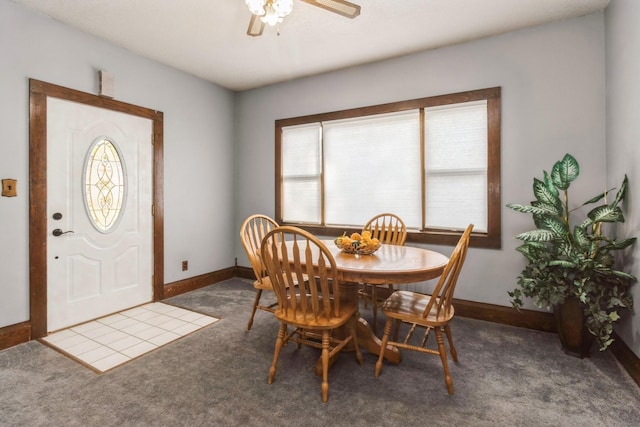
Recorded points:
491,239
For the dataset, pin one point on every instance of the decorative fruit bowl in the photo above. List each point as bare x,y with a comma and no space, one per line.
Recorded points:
359,244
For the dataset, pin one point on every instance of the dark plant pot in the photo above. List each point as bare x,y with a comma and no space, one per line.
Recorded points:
572,329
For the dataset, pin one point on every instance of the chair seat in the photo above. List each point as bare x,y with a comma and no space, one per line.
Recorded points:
300,320
408,306
264,284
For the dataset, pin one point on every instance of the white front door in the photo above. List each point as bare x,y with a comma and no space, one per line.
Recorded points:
99,212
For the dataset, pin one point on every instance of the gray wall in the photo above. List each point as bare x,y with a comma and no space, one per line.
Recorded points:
623,134
198,144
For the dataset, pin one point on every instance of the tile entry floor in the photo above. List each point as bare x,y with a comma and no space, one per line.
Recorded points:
110,341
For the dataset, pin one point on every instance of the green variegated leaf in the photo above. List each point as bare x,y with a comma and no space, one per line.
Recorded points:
549,183
606,213
547,208
518,207
542,194
525,250
532,249
554,224
606,344
565,248
622,191
529,251
563,263
596,198
530,209
565,171
614,302
586,223
624,275
619,245
537,246
581,236
536,236
537,220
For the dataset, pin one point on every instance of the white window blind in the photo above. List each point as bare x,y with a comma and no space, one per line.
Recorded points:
339,173
301,168
456,166
372,165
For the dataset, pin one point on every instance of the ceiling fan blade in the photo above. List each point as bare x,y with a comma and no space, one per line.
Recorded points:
256,26
341,7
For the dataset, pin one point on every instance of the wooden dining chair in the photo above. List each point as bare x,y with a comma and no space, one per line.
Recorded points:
431,312
390,230
253,229
309,313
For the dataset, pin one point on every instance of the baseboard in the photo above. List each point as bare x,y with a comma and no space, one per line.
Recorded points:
197,282
15,334
531,319
626,357
245,273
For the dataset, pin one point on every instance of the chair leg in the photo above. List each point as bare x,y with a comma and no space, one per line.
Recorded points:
354,335
452,349
396,332
256,300
374,300
443,356
383,345
325,366
364,293
282,332
374,306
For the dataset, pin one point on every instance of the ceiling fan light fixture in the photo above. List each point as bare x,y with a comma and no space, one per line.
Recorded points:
282,7
271,12
256,6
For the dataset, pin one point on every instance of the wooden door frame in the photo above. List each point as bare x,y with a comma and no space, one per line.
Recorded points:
38,93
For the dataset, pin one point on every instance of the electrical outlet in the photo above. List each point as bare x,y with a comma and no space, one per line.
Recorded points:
185,265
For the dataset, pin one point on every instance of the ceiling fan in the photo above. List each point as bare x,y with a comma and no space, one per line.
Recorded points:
273,11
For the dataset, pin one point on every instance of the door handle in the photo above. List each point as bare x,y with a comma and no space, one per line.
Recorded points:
57,232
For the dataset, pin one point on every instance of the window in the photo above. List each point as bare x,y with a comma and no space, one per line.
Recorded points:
435,162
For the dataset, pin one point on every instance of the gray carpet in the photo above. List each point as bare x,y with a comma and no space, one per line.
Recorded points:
218,377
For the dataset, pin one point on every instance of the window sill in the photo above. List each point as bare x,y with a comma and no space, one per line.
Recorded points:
447,238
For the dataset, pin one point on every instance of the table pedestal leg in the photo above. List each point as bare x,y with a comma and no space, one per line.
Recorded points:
367,340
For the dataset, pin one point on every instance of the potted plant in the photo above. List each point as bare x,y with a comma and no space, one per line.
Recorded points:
571,266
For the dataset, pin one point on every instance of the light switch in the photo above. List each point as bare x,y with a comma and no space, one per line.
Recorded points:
9,187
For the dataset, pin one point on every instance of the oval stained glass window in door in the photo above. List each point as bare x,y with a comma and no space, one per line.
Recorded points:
104,184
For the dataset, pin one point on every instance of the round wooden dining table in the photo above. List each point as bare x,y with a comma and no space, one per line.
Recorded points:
391,264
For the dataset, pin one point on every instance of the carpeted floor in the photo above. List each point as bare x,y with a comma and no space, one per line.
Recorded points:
218,377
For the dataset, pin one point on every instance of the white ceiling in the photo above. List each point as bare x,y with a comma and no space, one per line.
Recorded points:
207,38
